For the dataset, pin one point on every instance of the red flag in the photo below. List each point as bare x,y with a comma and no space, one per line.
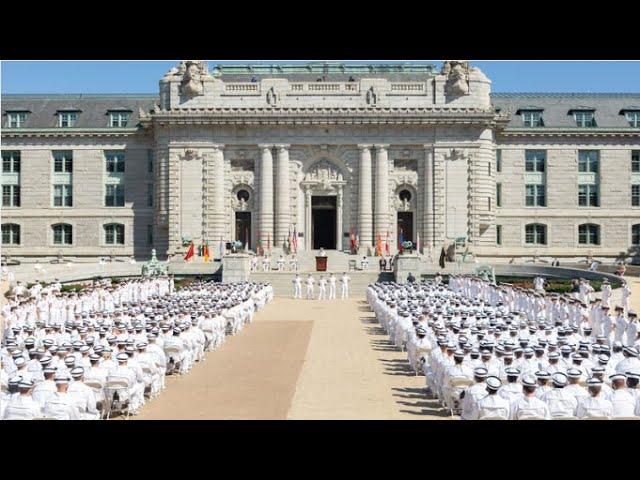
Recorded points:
189,252
386,244
378,246
295,239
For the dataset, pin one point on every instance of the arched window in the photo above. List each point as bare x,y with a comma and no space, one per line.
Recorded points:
62,234
535,234
635,235
114,234
10,234
589,234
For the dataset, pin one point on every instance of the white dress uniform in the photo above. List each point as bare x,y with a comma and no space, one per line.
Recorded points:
60,406
332,287
623,403
309,282
297,287
322,291
21,407
561,403
597,406
472,396
84,400
491,406
344,282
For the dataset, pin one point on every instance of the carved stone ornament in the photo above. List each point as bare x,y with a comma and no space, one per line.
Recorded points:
456,154
192,79
371,97
457,73
190,154
272,98
141,113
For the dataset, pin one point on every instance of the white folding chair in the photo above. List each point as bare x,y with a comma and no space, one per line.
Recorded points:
119,386
452,394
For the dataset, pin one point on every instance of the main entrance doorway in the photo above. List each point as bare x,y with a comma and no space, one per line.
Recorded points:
243,228
323,222
405,227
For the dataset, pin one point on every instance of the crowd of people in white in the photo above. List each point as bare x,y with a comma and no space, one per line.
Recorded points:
503,352
107,349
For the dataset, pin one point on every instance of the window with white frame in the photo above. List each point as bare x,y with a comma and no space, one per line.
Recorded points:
16,119
114,234
11,195
535,234
118,119
532,118
588,195
62,234
535,160
63,161
633,117
535,196
635,195
114,162
62,195
589,234
589,161
10,234
67,119
10,161
585,118
635,161
635,235
114,196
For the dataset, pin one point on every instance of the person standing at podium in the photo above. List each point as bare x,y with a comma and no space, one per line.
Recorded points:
332,287
310,282
322,283
297,286
345,285
322,253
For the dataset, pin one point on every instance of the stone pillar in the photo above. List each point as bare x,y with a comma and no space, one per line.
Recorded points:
381,196
365,213
217,215
307,219
427,186
339,226
283,196
266,195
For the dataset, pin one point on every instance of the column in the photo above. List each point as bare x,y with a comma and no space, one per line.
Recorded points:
381,207
266,195
283,196
365,213
307,219
218,210
339,226
428,217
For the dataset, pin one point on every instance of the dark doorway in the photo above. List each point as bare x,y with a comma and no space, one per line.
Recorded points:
243,228
323,222
405,225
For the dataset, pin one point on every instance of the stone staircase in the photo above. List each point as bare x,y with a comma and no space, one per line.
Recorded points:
282,282
337,261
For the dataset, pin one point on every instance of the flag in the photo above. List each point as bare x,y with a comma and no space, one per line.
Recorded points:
205,252
357,241
378,246
259,246
418,242
352,238
294,240
189,252
401,241
247,245
221,247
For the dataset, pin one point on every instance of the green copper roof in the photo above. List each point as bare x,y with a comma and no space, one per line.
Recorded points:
322,68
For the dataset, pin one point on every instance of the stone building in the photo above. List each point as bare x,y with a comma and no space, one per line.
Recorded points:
326,150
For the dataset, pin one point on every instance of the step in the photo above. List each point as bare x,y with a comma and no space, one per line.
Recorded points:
282,282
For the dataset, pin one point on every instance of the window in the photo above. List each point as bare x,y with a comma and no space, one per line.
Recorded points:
535,160
16,119
149,194
118,119
498,160
114,234
63,161
589,234
62,195
635,234
10,161
10,195
498,234
635,195
149,234
633,117
536,234
588,161
150,161
10,234
62,234
115,162
535,196
585,118
114,196
635,161
532,118
498,194
67,119
588,196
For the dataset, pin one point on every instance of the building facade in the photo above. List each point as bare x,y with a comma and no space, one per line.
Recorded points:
325,150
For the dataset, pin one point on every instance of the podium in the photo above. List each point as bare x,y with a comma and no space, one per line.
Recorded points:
321,264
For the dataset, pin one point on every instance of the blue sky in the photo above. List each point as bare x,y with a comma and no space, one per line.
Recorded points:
143,76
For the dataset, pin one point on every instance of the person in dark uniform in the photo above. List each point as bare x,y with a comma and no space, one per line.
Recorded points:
411,278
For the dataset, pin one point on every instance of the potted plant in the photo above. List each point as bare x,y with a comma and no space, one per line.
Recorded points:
407,246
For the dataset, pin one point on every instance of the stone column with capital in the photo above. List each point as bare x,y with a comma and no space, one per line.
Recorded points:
428,217
365,210
283,196
381,206
217,215
266,195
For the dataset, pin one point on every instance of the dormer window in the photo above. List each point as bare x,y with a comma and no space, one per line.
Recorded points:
67,118
532,118
632,115
16,119
119,119
584,118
